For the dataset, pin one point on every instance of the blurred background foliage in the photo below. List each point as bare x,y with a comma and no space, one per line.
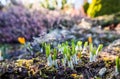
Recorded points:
93,9
103,7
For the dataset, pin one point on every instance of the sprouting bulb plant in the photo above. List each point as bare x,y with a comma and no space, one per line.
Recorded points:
48,55
69,58
99,48
117,61
78,46
55,58
94,52
65,51
85,47
93,55
74,53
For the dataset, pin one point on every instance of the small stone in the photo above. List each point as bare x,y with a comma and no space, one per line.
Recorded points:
102,71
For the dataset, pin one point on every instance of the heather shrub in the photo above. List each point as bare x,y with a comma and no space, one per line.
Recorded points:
18,21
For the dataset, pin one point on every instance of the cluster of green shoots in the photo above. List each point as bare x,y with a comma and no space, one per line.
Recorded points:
117,65
94,51
71,54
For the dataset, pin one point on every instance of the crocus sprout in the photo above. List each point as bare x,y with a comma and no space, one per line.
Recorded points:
85,47
74,53
90,46
55,58
94,51
99,49
93,55
70,62
65,51
48,55
55,54
85,44
117,61
79,46
47,48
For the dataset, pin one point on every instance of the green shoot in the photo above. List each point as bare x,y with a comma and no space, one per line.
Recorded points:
93,51
55,54
85,44
79,46
118,65
48,55
79,43
55,57
68,54
65,50
47,48
74,57
85,47
70,63
99,48
68,57
91,47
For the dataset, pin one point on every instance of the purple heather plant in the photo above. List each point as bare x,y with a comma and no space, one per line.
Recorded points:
17,21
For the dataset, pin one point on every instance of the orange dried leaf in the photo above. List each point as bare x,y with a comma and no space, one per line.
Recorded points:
21,40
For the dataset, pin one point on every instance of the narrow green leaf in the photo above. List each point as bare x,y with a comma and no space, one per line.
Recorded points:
55,54
79,43
93,51
100,47
91,47
85,44
47,49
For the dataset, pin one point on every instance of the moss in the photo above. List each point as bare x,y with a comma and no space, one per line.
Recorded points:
102,7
